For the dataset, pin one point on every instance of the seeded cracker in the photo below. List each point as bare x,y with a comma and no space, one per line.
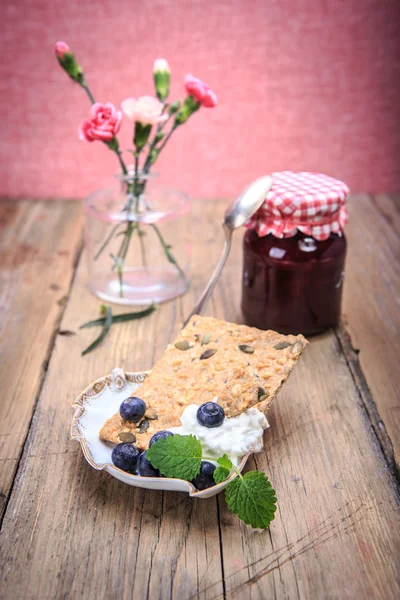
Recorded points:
241,366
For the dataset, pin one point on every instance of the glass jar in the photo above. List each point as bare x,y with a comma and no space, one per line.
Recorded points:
294,255
138,241
294,284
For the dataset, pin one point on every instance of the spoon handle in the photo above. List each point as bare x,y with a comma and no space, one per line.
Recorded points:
208,290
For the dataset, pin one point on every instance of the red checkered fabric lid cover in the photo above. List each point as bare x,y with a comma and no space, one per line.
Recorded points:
308,202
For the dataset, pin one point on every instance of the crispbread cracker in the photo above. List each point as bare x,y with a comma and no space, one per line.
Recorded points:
237,377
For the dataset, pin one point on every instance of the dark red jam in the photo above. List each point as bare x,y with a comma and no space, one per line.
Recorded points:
292,285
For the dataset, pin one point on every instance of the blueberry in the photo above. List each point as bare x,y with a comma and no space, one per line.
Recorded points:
205,478
125,457
144,467
160,435
132,409
210,414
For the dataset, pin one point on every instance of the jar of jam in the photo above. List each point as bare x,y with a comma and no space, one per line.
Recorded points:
294,255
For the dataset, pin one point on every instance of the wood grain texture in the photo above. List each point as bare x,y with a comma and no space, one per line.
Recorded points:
72,532
89,532
372,309
39,242
335,533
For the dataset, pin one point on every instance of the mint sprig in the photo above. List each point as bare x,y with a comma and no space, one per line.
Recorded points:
220,474
178,456
251,496
223,471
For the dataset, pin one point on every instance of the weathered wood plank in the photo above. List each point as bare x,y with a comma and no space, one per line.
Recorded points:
336,533
39,242
90,534
389,207
372,309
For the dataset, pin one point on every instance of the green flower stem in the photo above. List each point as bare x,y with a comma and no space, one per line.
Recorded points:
160,128
121,161
141,235
168,254
148,163
107,240
136,179
89,93
165,140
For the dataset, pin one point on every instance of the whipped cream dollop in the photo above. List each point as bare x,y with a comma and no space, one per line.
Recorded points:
235,437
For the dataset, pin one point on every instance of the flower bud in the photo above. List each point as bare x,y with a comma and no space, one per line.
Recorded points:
113,144
141,136
161,75
61,49
189,106
67,61
161,66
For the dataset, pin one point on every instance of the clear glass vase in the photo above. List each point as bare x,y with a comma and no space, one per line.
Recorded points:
138,241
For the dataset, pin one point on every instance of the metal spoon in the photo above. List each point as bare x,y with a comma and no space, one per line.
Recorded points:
236,215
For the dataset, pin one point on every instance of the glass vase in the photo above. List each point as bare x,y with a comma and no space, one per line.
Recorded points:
138,241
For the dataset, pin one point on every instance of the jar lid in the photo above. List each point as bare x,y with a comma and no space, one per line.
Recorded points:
308,202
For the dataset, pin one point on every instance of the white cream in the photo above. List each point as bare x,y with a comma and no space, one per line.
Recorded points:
235,437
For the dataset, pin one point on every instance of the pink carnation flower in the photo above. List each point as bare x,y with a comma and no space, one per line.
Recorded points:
146,109
104,124
61,49
200,91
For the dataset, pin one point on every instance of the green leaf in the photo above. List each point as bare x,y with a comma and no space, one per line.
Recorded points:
225,461
178,456
106,329
252,498
220,474
121,318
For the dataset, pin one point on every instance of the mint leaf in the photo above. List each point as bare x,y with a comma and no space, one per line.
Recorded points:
225,461
223,471
252,498
220,474
176,456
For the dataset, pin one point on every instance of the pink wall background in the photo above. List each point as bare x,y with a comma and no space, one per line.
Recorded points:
302,85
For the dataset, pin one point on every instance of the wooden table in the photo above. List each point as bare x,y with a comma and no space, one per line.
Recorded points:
332,452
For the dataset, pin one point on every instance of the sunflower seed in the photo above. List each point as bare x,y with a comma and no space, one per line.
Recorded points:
282,345
208,353
262,398
182,345
246,348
